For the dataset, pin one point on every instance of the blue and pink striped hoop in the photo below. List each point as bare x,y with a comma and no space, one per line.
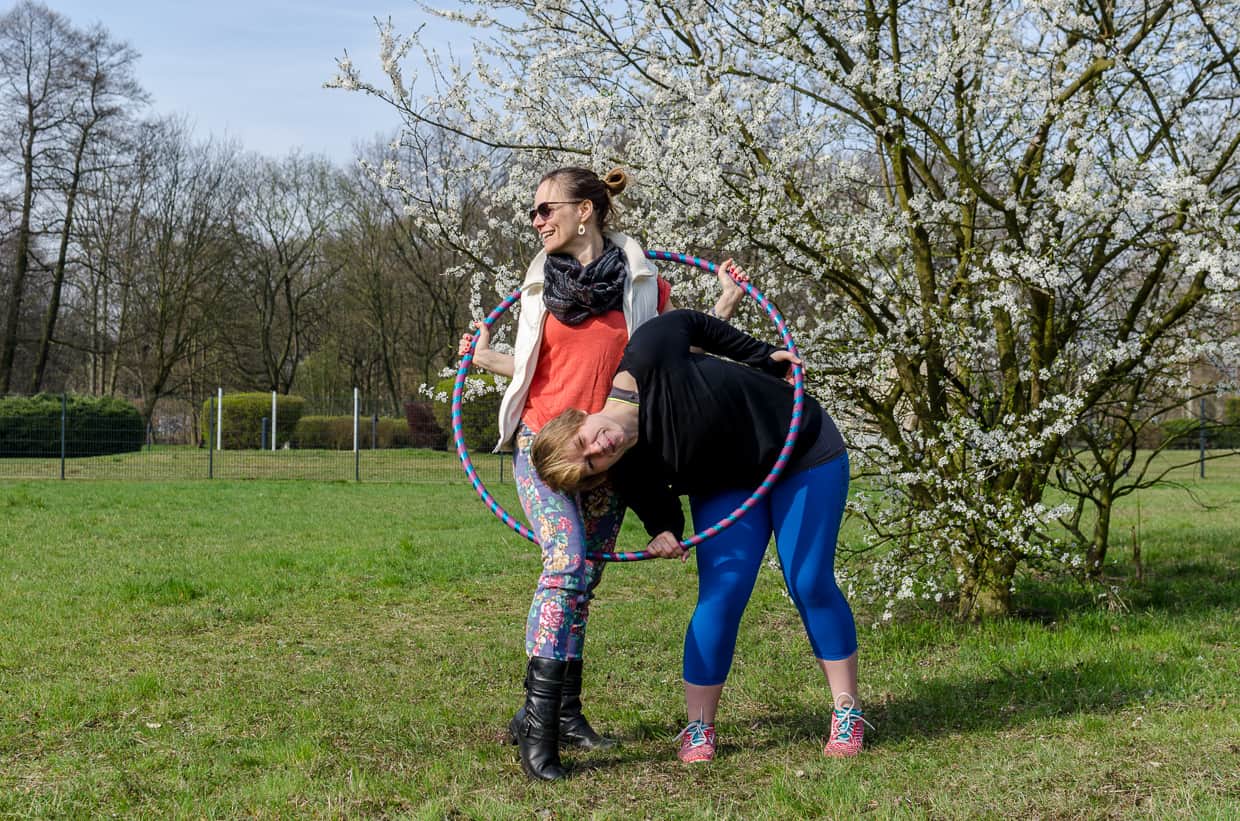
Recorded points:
785,454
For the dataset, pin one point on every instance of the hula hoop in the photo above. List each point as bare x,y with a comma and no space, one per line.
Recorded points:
794,426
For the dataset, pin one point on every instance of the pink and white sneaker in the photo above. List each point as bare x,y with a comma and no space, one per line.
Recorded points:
697,742
847,729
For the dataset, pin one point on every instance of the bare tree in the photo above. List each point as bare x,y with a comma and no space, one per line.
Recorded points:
38,50
109,237
105,93
289,209
177,292
395,290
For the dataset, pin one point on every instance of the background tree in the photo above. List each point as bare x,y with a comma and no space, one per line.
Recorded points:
289,210
1015,220
177,291
105,93
404,286
109,239
39,51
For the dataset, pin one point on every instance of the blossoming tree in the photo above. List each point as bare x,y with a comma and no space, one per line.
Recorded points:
1005,230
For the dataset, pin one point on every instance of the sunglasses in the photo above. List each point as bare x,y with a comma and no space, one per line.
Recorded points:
544,209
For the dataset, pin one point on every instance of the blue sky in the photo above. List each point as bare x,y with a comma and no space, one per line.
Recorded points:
254,70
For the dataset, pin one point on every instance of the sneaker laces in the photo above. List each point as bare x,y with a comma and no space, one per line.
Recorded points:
847,714
696,731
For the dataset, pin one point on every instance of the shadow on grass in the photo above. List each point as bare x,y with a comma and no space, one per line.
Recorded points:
1012,699
1007,700
1183,586
1087,674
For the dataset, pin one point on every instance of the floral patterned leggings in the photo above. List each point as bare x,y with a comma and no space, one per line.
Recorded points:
567,527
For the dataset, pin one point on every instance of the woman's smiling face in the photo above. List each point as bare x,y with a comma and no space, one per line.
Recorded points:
599,444
559,227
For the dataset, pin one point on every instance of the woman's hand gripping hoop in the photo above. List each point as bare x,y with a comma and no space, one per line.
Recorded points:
794,426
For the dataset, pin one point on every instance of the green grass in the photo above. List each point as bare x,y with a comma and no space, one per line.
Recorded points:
291,649
170,463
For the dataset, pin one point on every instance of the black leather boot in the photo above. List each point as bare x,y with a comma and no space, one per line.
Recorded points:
575,731
538,730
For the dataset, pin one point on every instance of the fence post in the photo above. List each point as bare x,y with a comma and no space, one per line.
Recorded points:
219,419
64,411
1201,437
374,431
211,440
273,421
262,434
357,454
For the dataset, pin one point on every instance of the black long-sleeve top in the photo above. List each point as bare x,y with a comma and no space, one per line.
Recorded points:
706,424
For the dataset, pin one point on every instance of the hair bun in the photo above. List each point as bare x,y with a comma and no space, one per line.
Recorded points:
616,181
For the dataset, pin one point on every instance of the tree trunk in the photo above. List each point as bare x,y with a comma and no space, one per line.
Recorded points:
987,589
58,274
21,265
1096,554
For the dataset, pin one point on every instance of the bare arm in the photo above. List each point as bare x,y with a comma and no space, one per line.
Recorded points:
502,364
729,292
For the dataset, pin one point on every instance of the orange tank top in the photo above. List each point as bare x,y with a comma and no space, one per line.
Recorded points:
576,364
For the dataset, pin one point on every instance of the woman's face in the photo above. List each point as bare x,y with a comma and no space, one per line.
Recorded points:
600,443
559,227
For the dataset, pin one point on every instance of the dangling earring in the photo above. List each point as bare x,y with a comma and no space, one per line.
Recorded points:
581,229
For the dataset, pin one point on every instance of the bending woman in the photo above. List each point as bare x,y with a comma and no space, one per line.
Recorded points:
680,422
583,296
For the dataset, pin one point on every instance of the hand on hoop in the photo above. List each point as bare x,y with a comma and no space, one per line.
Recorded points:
667,546
730,292
484,339
791,359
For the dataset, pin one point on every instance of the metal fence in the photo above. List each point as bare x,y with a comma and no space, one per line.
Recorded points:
177,448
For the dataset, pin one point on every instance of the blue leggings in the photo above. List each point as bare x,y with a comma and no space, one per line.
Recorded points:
803,512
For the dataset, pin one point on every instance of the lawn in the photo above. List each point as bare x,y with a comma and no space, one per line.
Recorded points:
298,649
171,463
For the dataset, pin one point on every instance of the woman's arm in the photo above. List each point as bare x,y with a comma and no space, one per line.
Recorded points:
730,293
717,337
502,364
639,481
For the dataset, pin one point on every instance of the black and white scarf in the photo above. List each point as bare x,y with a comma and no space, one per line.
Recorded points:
574,293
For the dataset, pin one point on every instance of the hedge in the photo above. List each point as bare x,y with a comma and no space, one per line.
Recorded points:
479,415
94,426
336,433
424,431
1186,433
243,419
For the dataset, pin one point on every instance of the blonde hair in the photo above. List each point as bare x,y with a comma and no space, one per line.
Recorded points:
550,457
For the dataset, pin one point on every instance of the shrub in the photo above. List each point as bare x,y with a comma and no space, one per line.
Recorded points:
243,419
93,425
1231,411
391,432
1151,435
1181,433
336,433
1186,433
424,431
1228,435
479,415
323,433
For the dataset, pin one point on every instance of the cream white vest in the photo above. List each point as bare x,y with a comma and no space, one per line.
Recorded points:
641,303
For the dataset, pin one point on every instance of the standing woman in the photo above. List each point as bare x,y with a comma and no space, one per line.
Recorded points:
583,296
